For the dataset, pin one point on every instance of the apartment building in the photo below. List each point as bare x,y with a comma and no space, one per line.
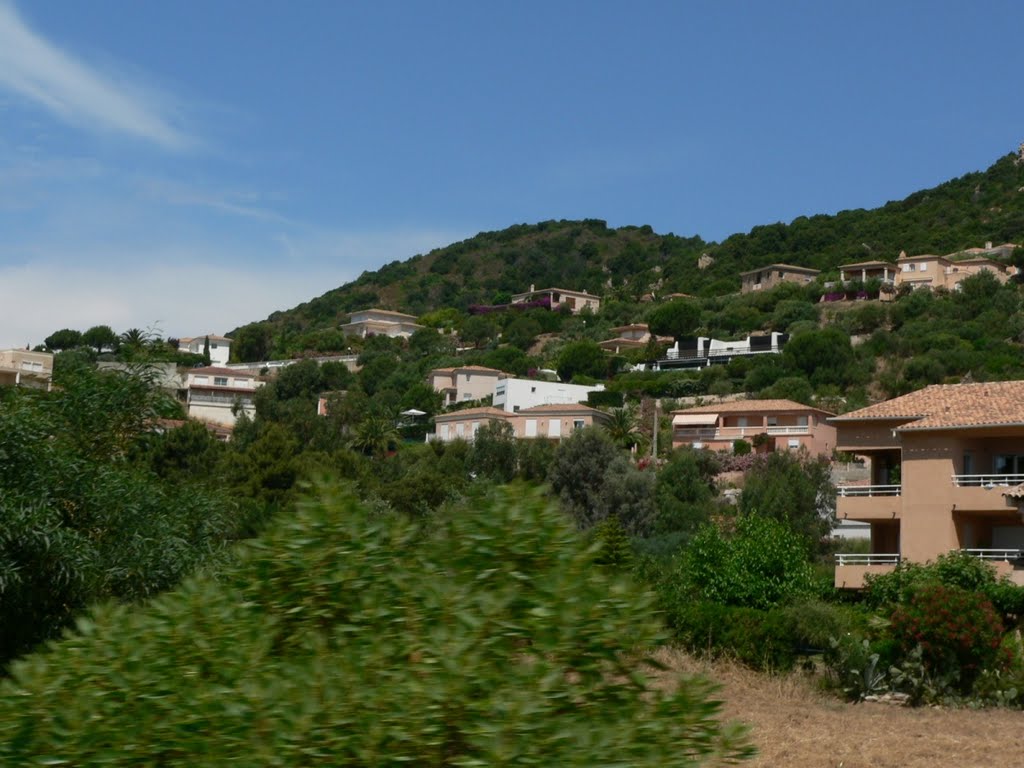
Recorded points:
946,473
554,421
215,394
769,424
23,368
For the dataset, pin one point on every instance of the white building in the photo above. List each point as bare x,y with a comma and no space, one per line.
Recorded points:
514,395
466,382
220,347
214,393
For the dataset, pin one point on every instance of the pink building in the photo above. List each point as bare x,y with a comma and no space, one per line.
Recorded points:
548,421
768,424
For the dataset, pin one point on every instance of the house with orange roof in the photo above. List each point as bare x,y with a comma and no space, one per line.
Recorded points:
930,271
464,383
768,277
768,424
946,473
554,421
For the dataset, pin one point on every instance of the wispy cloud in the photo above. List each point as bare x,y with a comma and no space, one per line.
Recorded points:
237,203
76,92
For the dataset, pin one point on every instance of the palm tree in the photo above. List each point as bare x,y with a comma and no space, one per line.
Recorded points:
623,427
375,435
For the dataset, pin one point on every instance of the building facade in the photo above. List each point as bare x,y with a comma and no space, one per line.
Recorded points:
946,473
574,301
214,394
23,368
513,395
552,422
380,322
220,347
773,275
465,383
769,425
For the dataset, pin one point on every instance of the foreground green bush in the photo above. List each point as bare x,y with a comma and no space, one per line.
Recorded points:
343,638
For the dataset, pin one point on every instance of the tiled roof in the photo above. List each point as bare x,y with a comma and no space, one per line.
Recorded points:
483,410
950,406
387,312
789,267
751,406
558,290
560,408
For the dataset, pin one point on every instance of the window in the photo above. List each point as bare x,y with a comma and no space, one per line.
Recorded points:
578,424
533,390
924,266
773,421
1008,464
801,421
220,381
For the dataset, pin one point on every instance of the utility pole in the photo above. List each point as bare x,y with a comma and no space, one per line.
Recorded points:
654,434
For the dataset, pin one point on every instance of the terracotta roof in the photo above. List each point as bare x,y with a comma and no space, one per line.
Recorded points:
560,290
752,406
950,406
483,410
789,267
470,368
388,312
560,408
630,327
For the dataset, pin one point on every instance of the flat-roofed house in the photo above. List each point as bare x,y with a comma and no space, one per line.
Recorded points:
769,424
946,473
380,322
768,277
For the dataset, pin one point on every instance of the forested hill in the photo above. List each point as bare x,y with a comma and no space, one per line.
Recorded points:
630,261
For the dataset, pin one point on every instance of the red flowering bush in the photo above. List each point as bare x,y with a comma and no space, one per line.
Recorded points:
958,631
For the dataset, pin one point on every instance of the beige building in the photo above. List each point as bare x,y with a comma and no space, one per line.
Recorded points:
548,421
928,271
946,473
769,277
772,424
464,383
630,337
865,271
574,301
380,322
22,368
215,394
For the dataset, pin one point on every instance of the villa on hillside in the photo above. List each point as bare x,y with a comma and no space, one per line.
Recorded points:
553,422
701,351
768,425
23,368
380,322
946,473
772,275
513,395
929,271
220,347
630,337
556,298
216,394
465,383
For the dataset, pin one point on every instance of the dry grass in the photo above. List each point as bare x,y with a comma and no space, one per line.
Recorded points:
794,725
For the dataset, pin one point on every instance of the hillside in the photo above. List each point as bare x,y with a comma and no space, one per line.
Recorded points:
630,261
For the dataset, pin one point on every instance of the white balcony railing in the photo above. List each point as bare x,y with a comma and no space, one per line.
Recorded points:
736,433
868,490
994,554
987,480
862,559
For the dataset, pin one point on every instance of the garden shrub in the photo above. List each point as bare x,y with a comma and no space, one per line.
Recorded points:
343,637
957,631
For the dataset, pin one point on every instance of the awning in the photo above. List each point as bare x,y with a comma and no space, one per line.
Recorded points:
694,419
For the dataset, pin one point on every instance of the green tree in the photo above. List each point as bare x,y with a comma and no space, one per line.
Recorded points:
794,489
685,491
762,564
375,435
677,318
65,338
623,427
493,453
582,358
101,337
493,638
825,357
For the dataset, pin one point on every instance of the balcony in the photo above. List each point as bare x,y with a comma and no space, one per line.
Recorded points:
868,502
852,568
984,492
735,433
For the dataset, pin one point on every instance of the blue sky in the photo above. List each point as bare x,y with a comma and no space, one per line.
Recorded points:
193,166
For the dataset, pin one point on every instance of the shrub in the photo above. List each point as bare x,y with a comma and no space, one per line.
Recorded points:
348,638
958,632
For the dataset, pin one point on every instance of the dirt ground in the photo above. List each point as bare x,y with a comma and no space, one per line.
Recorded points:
793,725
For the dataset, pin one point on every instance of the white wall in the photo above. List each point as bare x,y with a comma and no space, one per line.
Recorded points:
513,395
